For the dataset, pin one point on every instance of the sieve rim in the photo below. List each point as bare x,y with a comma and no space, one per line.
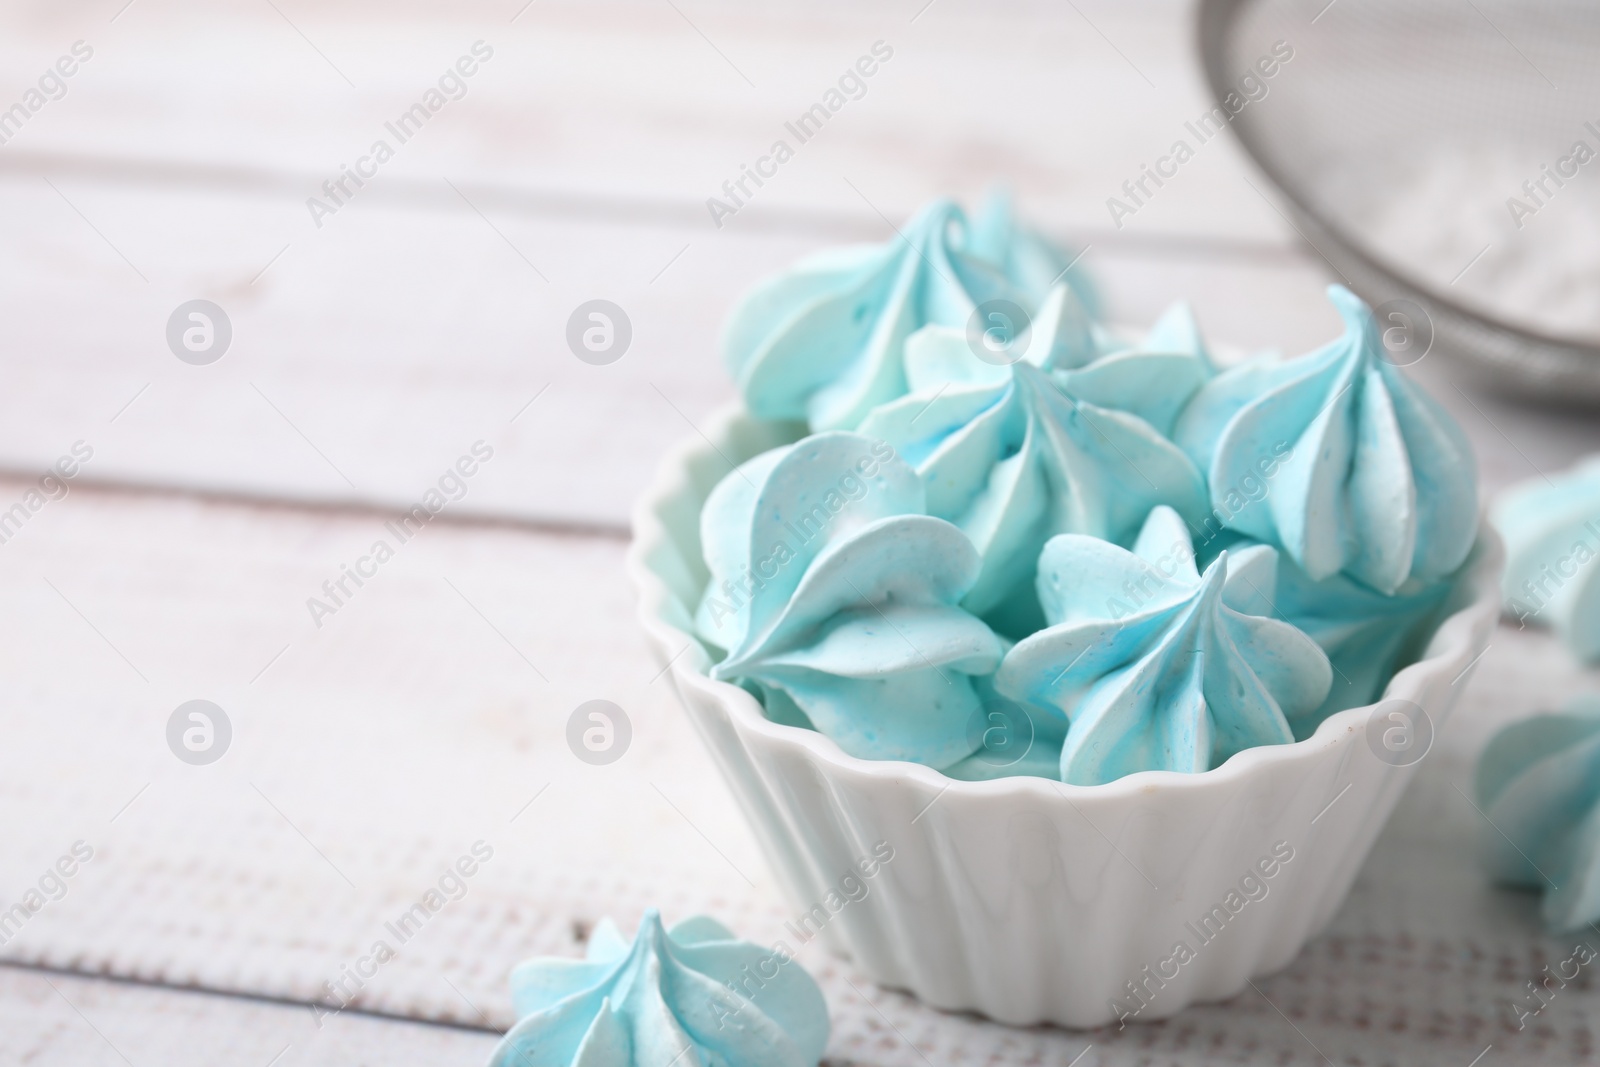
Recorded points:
1522,358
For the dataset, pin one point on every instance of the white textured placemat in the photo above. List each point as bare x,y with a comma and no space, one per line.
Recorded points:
66,1021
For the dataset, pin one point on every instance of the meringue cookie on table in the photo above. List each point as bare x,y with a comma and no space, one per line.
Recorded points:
1538,783
837,597
1375,479
1014,454
1552,532
692,996
1157,666
822,341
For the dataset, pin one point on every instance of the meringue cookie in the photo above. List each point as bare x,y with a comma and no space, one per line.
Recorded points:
1154,379
1376,479
1027,257
1013,455
836,597
1552,533
1368,636
822,342
1178,331
1012,740
693,996
1156,664
1538,783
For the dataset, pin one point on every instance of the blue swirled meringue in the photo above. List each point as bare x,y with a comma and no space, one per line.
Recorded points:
1538,782
1031,260
1012,740
837,596
1372,476
1158,666
1552,532
1053,443
1154,378
1367,635
1177,330
822,341
692,996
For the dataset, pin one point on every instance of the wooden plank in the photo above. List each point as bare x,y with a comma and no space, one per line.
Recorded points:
641,100
366,358
422,317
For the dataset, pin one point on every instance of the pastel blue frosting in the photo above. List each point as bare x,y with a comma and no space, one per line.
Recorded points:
1538,783
869,584
1367,636
837,598
1378,481
1176,331
1552,533
1159,666
692,996
1011,740
823,341
1061,441
1154,378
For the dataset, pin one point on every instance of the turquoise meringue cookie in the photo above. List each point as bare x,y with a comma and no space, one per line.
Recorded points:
1157,666
1053,443
1364,472
1178,331
1032,261
1154,379
823,341
1012,740
1159,389
1368,636
1538,783
1552,533
836,596
692,996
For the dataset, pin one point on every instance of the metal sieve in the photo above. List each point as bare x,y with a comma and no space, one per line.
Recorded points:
1400,133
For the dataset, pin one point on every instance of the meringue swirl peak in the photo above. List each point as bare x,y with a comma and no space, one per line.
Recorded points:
1015,454
838,600
823,341
692,996
1380,484
1157,666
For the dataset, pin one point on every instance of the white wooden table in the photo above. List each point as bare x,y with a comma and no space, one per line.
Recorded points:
429,313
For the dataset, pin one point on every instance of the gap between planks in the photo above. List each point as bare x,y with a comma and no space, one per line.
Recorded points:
286,502
568,205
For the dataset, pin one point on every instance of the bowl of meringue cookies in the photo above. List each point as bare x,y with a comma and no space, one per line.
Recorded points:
1121,650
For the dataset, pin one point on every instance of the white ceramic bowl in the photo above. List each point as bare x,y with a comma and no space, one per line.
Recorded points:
1026,899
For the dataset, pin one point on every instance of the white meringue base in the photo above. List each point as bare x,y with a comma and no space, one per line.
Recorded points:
1024,899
